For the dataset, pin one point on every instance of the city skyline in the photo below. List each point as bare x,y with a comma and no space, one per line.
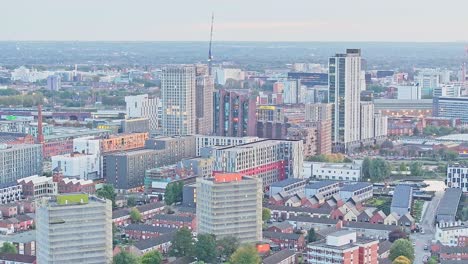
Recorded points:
300,20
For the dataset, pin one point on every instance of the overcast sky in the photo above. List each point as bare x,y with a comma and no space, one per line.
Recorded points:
243,20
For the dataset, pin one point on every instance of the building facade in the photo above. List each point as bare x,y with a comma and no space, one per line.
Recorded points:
38,186
333,171
143,106
343,247
19,161
74,228
234,113
344,92
202,141
204,101
268,160
178,95
457,177
451,107
230,204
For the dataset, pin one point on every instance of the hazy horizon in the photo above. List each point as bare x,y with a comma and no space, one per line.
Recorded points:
241,20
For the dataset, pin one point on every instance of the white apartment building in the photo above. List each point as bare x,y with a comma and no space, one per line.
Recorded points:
230,205
448,233
74,228
269,160
409,92
77,165
345,93
202,141
222,75
457,177
10,192
367,121
380,125
178,90
332,171
448,90
143,106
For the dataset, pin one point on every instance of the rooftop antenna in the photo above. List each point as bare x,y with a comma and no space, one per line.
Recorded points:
210,56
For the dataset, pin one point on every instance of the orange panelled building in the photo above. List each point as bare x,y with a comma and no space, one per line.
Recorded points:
123,142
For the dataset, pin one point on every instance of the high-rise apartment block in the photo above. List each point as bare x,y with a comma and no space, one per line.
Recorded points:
204,101
54,83
142,105
353,121
367,121
74,228
230,204
344,92
315,135
178,90
235,113
343,247
268,160
19,161
318,112
271,122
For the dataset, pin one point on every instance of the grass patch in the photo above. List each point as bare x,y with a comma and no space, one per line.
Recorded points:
382,203
417,210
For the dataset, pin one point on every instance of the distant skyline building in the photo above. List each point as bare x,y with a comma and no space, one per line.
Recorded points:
204,101
344,92
74,228
143,106
54,83
230,204
409,92
451,107
178,95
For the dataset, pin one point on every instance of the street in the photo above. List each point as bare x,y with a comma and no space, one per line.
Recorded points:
427,223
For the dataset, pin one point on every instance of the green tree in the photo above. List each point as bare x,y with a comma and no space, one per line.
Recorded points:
182,244
108,192
403,166
401,260
451,155
463,214
8,247
379,169
246,254
131,201
152,257
402,247
135,215
416,169
432,260
125,258
266,214
205,248
366,167
173,193
227,246
311,236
